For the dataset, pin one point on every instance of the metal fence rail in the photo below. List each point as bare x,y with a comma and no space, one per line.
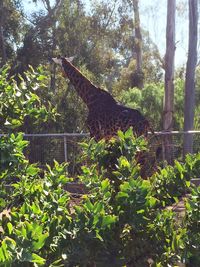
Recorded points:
45,148
64,147
59,144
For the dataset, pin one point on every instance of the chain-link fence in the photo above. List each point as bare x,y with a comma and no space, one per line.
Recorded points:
45,148
176,143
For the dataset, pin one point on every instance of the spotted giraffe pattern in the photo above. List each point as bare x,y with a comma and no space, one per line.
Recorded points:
105,116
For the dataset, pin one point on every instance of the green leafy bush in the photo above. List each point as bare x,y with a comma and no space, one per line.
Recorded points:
19,101
149,101
192,222
121,220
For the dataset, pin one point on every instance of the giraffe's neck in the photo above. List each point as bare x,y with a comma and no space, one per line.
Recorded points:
89,93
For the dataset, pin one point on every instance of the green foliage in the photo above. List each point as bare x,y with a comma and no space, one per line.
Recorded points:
149,101
172,182
39,212
11,148
122,219
193,228
20,101
12,27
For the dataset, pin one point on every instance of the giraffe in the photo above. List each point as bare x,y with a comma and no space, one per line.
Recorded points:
105,116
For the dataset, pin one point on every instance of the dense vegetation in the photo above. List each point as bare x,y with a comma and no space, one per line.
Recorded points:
118,220
101,37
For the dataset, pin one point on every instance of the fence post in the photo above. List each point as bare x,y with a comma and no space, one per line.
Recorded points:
65,148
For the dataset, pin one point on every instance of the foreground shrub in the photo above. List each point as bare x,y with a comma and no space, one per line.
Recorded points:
122,220
20,103
192,222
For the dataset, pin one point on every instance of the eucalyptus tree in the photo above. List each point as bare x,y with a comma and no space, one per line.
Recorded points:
169,79
138,44
11,23
102,39
189,107
39,37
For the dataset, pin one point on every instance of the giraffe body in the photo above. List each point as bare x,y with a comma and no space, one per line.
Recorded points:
105,115
104,123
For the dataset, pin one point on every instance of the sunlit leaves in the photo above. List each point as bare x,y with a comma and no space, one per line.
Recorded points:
7,247
119,213
20,100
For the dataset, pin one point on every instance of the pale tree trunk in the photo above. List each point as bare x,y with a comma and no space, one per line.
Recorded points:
2,41
190,77
52,17
138,44
169,80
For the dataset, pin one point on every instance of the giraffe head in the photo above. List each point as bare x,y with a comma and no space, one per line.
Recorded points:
58,60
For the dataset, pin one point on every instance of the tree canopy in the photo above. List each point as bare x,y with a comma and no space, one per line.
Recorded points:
101,36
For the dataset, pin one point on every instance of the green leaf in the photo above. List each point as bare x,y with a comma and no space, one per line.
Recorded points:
152,201
108,220
125,186
140,211
57,263
129,133
40,242
37,259
121,135
36,208
122,195
98,206
99,237
10,228
105,184
41,77
179,166
89,205
124,162
7,246
2,202
32,170
188,183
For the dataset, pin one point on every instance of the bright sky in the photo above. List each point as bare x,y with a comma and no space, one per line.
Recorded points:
153,19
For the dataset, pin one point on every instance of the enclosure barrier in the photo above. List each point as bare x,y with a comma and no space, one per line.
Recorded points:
64,147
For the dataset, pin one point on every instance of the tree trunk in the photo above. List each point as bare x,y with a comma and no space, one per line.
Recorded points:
52,17
190,77
2,41
138,45
169,80
53,78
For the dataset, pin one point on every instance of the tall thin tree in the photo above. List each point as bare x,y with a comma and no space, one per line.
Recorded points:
2,40
169,79
138,45
190,77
